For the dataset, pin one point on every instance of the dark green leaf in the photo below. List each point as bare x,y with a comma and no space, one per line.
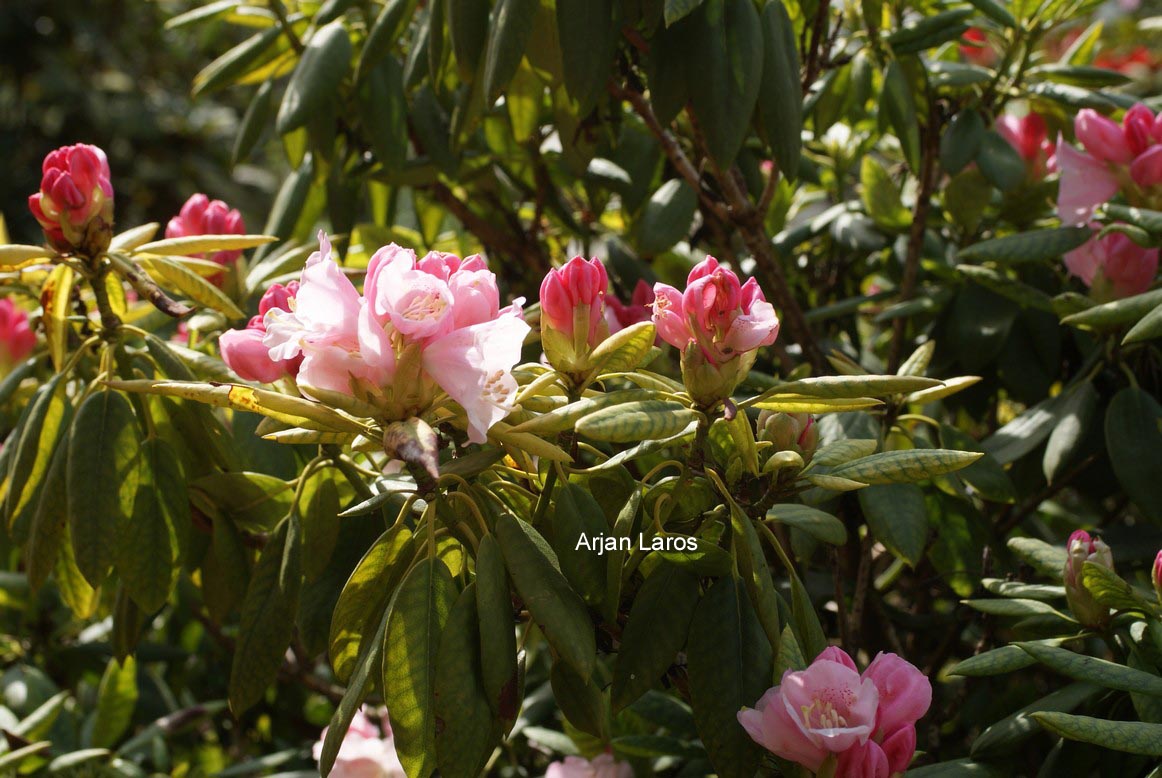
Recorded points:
897,516
466,732
149,547
1133,439
316,78
498,663
780,93
512,25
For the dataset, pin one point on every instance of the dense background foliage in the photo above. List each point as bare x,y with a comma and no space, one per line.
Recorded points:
846,157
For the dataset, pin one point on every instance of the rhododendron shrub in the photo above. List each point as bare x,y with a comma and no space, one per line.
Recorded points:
612,389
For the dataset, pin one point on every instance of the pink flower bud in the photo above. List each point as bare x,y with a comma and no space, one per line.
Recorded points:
1146,169
16,338
244,351
905,692
1030,137
573,313
863,760
202,216
1102,137
900,747
1156,574
619,315
1113,266
1082,548
75,203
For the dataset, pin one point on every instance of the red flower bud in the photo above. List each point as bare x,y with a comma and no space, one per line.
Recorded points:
202,216
75,203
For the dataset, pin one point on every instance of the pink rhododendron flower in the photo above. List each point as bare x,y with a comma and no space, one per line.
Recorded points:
202,216
867,722
718,323
75,203
1079,549
244,351
825,709
421,331
1113,266
1124,158
367,751
1030,137
619,315
16,337
1156,575
573,320
601,766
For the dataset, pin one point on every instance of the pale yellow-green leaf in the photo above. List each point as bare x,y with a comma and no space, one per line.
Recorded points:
201,244
636,421
894,467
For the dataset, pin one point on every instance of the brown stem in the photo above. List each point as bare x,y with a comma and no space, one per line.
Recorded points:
738,213
813,56
859,598
919,224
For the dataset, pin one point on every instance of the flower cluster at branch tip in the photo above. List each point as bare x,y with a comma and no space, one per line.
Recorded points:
1156,575
202,216
1113,266
16,337
244,351
75,203
829,716
601,766
1124,158
1030,137
1082,548
573,319
423,330
718,324
367,750
796,432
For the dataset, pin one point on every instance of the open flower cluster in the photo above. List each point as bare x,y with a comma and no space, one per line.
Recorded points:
244,351
861,726
423,330
601,766
1124,158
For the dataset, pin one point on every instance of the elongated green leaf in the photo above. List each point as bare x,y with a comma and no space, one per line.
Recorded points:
724,72
898,517
893,467
587,45
635,421
1024,295
246,56
1080,667
1027,431
563,418
959,145
998,661
116,699
780,99
365,597
1014,608
367,666
103,479
1046,559
47,532
418,615
498,663
512,26
14,256
1133,436
577,518
729,660
280,407
582,702
675,10
254,121
929,31
558,609
317,76
898,105
848,386
47,421
1032,246
1147,328
1133,737
189,283
268,619
149,546
383,108
999,162
666,217
56,300
1005,735
755,573
202,244
465,729
1111,590
843,451
655,632
1115,313
816,523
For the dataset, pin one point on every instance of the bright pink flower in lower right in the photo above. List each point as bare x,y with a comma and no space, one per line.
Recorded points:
864,726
